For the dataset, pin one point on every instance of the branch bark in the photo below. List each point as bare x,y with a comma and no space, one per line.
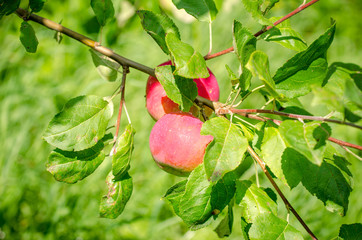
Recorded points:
22,13
297,10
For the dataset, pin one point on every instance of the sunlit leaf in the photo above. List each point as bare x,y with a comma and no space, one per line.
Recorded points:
189,63
244,45
254,8
119,192
204,10
122,158
224,228
307,138
71,167
259,65
158,26
253,200
106,67
202,199
182,91
286,36
81,124
306,68
267,226
227,149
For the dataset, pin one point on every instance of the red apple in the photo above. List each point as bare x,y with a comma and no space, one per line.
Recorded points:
176,143
158,104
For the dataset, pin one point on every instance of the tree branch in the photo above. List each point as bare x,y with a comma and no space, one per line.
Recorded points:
85,40
289,115
297,10
280,193
278,122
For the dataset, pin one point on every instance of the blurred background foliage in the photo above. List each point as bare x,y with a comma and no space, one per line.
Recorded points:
34,87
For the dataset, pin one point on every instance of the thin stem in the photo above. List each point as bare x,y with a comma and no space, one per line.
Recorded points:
126,111
289,115
286,202
352,153
121,103
278,122
210,38
297,10
256,174
85,40
254,90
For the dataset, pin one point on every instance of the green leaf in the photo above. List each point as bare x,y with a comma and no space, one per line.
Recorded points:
254,8
106,67
303,81
267,226
8,7
189,63
195,207
244,42
224,228
253,200
341,91
350,231
158,26
28,38
285,35
307,138
201,199
81,124
122,158
244,45
233,78
272,149
36,5
182,91
71,167
204,10
227,149
174,194
259,65
308,61
326,181
103,9
119,192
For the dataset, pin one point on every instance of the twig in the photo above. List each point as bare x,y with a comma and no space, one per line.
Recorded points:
286,202
121,90
289,115
278,122
85,40
297,10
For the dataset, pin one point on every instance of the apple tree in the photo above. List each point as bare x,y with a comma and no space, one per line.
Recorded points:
205,141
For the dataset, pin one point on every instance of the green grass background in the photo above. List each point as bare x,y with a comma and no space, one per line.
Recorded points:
34,87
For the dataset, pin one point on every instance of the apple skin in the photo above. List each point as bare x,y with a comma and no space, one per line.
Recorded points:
158,104
176,143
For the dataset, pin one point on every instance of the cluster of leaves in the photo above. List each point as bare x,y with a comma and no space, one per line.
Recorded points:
295,151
